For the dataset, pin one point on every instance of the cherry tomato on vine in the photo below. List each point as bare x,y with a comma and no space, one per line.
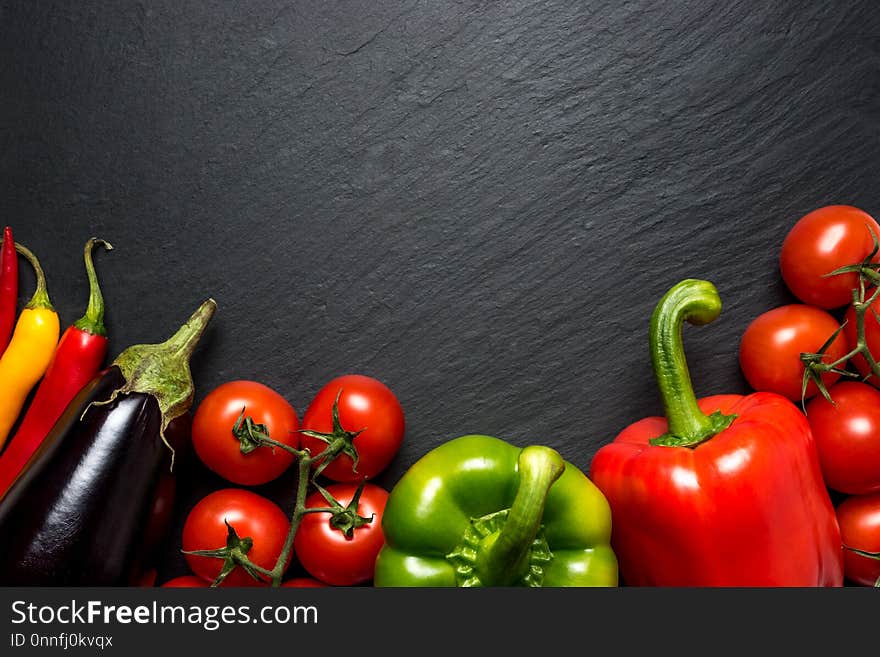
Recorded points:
847,437
218,419
303,583
820,242
330,556
771,346
872,339
366,405
859,520
148,579
186,582
252,516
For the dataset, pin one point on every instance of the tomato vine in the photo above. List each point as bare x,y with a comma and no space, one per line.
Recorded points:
343,518
862,302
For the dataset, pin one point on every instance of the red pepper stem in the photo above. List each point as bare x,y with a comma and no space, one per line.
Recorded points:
41,294
93,321
698,303
506,558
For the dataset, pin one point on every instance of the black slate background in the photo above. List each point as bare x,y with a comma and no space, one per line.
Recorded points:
478,203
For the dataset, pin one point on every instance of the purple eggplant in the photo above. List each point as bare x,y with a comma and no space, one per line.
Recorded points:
87,509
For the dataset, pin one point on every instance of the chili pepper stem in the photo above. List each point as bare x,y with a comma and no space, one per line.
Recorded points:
506,558
40,299
92,321
696,302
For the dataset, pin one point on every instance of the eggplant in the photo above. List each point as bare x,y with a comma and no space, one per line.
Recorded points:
91,506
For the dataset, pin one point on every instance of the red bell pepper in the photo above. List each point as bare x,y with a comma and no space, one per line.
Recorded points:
724,491
77,359
8,288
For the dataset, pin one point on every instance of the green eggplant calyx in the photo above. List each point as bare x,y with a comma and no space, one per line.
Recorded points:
234,555
468,558
507,548
339,441
162,370
698,303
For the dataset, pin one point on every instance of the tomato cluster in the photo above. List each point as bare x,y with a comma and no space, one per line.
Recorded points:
821,352
250,435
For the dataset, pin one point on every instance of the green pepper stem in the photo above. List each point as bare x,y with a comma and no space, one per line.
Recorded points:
698,303
93,321
506,559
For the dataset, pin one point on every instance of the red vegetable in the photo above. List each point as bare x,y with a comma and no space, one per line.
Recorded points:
78,357
820,242
8,288
186,582
847,435
303,583
370,424
859,518
872,339
771,347
340,549
229,522
725,491
223,428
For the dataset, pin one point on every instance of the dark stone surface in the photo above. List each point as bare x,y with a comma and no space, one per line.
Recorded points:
477,203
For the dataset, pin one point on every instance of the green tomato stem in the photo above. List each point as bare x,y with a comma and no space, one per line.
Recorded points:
304,471
861,304
299,511
337,445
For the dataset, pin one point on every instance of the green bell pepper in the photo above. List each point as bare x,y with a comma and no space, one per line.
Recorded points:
479,511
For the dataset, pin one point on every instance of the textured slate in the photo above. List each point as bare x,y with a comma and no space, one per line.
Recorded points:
478,203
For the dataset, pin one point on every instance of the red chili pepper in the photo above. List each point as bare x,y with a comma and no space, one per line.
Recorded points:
8,288
724,491
78,358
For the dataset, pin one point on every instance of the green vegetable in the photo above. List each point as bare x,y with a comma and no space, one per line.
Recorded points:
478,511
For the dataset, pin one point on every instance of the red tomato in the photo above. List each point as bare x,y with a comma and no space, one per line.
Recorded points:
326,553
770,349
302,583
872,337
364,404
187,582
251,515
220,450
847,436
820,242
859,520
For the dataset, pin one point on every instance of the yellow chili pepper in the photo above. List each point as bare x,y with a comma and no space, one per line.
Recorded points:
30,351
